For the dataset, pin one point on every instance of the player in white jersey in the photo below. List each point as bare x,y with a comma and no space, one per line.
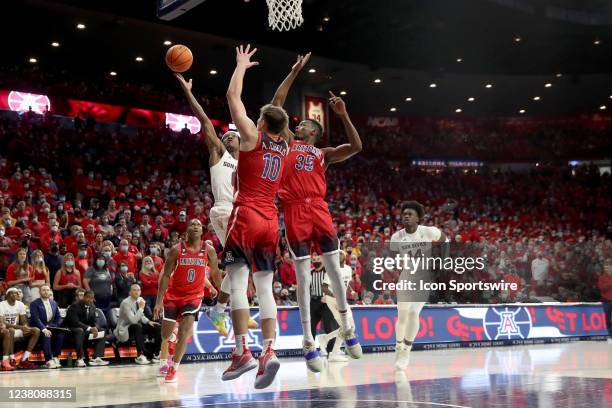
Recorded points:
346,274
416,241
223,162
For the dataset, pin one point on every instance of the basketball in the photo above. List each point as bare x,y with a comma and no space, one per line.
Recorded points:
179,58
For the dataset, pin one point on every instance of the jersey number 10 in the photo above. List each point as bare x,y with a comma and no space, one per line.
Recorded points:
272,167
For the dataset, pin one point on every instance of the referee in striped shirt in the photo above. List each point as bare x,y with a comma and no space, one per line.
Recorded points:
319,312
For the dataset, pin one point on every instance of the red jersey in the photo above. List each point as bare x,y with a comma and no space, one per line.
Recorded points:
259,174
189,275
304,173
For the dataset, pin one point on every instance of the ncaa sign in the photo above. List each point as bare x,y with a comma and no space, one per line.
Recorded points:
507,323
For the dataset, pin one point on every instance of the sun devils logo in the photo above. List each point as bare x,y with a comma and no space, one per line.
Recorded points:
507,326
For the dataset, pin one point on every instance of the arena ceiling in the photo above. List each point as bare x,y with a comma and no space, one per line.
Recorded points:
460,46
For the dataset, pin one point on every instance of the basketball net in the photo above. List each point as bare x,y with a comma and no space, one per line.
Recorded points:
284,15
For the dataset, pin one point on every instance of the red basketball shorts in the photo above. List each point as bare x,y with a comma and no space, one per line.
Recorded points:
252,238
309,222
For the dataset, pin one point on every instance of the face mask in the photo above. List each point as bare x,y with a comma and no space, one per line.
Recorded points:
106,254
277,290
38,261
70,264
154,251
34,220
124,248
124,269
82,254
148,266
54,228
90,215
317,264
60,208
54,249
7,223
100,263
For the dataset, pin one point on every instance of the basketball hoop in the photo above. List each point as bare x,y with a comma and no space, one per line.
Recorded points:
284,15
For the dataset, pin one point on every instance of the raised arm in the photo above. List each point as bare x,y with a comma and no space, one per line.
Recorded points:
164,280
344,151
215,147
283,89
246,127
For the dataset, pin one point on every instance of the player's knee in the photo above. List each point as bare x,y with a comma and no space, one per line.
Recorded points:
239,281
263,286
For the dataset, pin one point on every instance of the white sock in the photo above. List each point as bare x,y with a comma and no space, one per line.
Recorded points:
268,343
220,307
12,356
332,268
302,271
240,343
26,355
176,365
5,358
163,361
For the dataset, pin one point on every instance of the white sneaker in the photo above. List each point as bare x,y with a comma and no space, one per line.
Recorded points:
51,364
80,363
97,362
57,362
142,359
398,347
337,358
403,358
155,358
313,358
323,340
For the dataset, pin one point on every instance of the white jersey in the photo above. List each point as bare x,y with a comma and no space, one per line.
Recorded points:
346,274
222,180
416,244
11,313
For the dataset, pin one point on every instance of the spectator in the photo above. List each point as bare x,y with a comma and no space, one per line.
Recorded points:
99,280
53,260
133,324
13,312
157,260
149,278
67,280
8,339
20,274
539,269
284,299
287,271
125,255
44,314
81,320
6,250
123,281
41,273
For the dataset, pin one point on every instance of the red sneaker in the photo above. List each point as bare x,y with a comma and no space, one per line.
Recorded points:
268,367
240,365
171,375
6,366
26,365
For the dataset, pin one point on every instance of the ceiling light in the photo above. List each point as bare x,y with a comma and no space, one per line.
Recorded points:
55,44
81,26
536,98
113,73
547,85
559,75
342,93
139,59
432,85
596,42
409,99
167,42
377,81
393,109
610,96
459,59
517,39
33,60
458,110
213,72
320,28
471,99
312,70
326,19
603,107
488,86
522,111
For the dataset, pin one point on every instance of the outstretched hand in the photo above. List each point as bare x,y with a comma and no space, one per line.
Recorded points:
337,104
300,62
243,56
184,84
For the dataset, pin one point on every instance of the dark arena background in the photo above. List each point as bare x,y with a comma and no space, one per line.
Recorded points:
494,115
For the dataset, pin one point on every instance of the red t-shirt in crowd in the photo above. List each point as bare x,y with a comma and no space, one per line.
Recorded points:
130,258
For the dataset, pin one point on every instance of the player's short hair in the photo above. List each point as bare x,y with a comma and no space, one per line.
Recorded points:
416,206
276,118
317,126
230,133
